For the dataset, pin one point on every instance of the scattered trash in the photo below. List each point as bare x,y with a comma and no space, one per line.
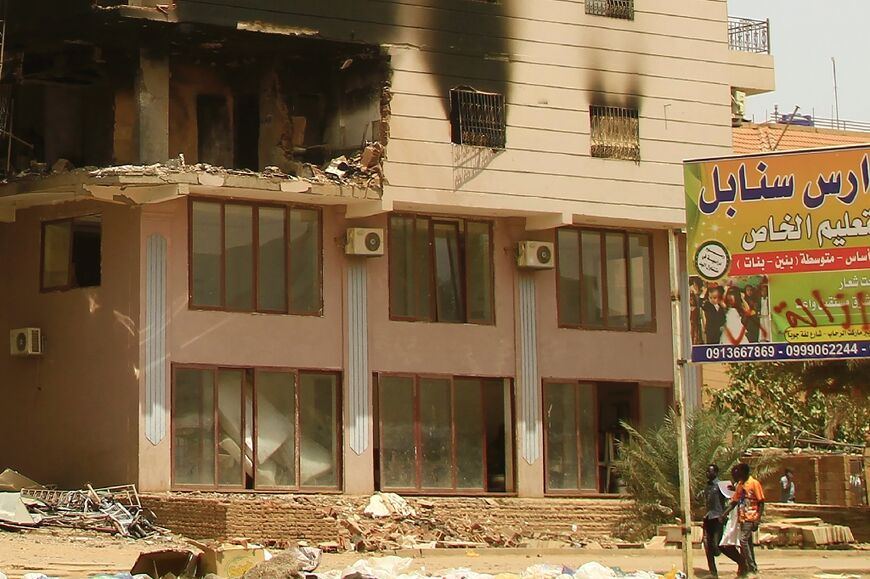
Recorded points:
231,559
111,510
388,504
11,481
158,564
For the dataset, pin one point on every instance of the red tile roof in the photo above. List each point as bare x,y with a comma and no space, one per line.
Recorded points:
753,138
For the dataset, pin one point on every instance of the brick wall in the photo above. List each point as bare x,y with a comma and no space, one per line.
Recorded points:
297,517
821,479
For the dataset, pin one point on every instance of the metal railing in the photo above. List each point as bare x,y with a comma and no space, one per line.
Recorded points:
613,8
819,122
615,133
748,35
478,118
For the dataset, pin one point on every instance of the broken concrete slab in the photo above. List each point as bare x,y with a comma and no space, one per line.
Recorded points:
11,480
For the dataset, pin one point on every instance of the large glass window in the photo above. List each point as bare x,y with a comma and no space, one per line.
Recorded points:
605,280
255,428
247,257
72,253
444,434
441,269
583,428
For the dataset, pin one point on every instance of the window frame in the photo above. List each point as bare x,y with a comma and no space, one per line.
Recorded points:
496,134
419,489
254,370
636,419
463,264
255,246
70,264
626,234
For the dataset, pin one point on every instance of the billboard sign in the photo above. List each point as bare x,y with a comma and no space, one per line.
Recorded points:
778,248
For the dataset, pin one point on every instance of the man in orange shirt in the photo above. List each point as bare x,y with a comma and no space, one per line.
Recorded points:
749,500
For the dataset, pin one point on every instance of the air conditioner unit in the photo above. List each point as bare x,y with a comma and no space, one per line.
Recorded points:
365,241
25,342
535,255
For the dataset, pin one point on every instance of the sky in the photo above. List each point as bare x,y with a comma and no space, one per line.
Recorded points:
804,36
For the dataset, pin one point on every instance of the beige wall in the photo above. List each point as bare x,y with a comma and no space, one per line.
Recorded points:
69,417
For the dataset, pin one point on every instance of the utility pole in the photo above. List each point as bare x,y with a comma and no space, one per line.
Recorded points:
680,401
836,96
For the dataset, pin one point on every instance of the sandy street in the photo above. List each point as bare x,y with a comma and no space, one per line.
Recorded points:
64,553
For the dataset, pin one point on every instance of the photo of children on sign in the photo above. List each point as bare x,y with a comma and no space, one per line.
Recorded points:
732,311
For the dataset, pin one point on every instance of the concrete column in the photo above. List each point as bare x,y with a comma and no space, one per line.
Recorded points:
152,99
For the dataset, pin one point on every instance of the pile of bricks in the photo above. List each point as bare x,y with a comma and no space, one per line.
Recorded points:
807,533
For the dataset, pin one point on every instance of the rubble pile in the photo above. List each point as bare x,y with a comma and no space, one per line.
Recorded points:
806,533
25,504
390,522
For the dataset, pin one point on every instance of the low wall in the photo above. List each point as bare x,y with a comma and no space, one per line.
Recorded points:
307,517
819,479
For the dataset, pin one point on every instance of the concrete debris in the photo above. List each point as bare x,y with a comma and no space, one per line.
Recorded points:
11,481
111,510
62,166
389,521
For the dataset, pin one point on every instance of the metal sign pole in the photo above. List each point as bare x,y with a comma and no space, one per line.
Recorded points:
679,402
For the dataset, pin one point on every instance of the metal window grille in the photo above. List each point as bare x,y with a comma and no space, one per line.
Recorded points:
477,118
748,35
613,8
615,133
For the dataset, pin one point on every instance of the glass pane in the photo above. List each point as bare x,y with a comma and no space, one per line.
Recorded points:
617,281
588,437
271,260
639,248
239,248
304,261
496,403
193,427
592,296
421,266
448,273
560,414
478,243
469,434
435,433
569,277
401,279
230,427
56,254
86,251
206,259
318,422
398,448
276,429
653,406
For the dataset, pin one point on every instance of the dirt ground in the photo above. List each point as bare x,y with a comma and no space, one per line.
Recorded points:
68,553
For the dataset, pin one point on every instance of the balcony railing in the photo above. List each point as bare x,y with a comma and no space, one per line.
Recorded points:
748,35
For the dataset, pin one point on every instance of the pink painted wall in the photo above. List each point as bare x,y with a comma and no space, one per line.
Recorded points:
69,417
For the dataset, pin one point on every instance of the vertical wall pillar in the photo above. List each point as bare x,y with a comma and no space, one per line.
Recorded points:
152,99
156,370
358,457
530,430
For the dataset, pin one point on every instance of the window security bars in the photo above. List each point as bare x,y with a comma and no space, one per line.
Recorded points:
613,8
748,35
615,133
477,118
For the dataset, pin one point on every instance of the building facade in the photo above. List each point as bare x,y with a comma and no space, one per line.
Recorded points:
468,302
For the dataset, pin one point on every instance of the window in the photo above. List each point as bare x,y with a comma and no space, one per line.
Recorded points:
477,118
247,257
615,133
72,253
613,8
444,434
249,428
441,269
583,425
605,280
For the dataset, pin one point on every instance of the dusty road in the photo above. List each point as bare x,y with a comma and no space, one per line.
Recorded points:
63,553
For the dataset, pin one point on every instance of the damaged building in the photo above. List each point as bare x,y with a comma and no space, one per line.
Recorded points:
347,246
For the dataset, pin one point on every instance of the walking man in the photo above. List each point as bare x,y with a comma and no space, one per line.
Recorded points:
786,484
713,521
748,499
